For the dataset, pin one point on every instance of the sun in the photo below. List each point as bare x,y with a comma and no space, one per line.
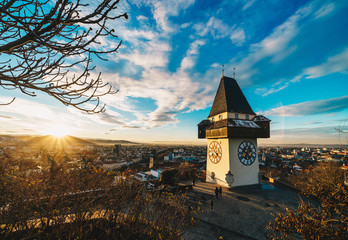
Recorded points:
57,131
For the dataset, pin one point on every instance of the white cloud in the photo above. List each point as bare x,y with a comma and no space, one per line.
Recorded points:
218,29
164,9
331,105
175,92
238,36
248,4
134,35
334,64
148,54
150,59
29,109
171,92
314,135
189,60
185,25
276,45
273,48
324,10
337,63
29,114
142,18
265,92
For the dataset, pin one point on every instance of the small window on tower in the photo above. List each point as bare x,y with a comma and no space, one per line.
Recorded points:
236,116
220,117
247,117
212,119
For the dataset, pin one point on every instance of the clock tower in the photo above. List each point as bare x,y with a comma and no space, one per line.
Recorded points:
232,129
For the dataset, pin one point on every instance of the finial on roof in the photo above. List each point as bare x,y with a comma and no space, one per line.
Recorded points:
234,73
223,69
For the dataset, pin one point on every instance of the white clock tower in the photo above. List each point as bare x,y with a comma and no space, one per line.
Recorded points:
232,129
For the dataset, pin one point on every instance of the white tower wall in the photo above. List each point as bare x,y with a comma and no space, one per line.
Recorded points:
242,174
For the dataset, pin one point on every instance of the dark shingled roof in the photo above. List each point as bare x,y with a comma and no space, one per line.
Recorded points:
230,98
261,118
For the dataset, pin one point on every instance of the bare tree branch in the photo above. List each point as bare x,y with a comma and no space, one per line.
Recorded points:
41,42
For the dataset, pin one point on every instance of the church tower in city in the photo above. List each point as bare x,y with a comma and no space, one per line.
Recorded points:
232,129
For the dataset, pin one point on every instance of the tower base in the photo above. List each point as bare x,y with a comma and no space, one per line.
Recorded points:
230,171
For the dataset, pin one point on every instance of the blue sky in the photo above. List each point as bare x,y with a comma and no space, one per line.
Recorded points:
291,60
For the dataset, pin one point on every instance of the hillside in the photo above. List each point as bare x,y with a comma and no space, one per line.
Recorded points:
110,142
52,141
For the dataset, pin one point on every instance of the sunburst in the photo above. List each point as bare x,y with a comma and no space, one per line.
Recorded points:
57,130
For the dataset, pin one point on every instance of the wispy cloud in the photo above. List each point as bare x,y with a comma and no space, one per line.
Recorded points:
248,4
314,135
326,106
265,92
238,36
334,64
6,117
189,60
177,92
218,29
324,10
29,109
163,10
270,51
311,123
36,117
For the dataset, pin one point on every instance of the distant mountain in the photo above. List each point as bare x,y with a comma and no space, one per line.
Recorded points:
301,145
52,141
110,142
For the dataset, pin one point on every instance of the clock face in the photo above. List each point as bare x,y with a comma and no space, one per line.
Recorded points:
215,152
247,153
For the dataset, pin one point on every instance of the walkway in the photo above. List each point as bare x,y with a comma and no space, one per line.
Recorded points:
241,213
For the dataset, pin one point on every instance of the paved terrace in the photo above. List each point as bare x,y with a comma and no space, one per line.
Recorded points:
240,213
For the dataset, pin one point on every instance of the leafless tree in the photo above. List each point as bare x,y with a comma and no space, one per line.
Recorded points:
44,45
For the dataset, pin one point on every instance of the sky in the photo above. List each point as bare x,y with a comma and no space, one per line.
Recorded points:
291,61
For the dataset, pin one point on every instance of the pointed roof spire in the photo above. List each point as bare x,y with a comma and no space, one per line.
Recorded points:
234,73
223,70
230,98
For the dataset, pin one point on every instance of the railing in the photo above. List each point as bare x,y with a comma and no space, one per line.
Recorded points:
231,132
218,133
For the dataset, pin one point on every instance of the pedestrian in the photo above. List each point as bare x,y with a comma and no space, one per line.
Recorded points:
211,204
190,208
220,191
193,180
217,192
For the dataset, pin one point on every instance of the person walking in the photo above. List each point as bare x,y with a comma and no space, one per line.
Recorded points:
211,204
217,192
220,191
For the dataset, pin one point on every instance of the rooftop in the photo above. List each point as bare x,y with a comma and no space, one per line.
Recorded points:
230,98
